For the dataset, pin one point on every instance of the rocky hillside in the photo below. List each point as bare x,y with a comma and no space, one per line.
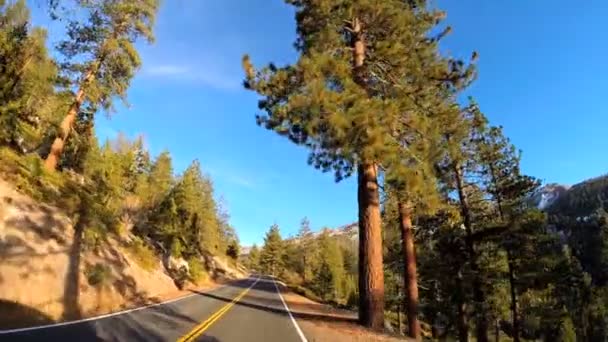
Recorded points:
47,274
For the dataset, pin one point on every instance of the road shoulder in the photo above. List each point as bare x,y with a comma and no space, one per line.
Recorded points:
320,322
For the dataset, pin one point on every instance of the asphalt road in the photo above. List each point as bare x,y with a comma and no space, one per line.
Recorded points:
246,310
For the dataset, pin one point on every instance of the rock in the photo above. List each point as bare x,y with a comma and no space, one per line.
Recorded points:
176,264
388,327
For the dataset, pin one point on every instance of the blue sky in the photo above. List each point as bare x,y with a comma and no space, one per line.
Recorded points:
542,72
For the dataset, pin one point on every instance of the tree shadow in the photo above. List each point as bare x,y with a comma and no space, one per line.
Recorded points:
16,315
37,231
155,323
305,311
71,293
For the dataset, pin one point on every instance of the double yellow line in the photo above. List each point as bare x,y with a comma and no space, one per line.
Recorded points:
201,328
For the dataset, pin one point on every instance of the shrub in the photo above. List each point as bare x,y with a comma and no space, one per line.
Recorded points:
92,238
98,274
198,273
143,255
352,301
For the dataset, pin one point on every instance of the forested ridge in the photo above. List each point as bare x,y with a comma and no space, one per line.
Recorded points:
49,148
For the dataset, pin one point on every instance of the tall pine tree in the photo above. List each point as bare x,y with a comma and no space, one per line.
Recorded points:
334,101
271,256
100,58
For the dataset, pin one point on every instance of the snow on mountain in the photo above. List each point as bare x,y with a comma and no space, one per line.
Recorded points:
547,195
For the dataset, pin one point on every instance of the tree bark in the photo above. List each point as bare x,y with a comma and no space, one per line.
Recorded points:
463,325
514,309
67,123
371,273
481,326
410,278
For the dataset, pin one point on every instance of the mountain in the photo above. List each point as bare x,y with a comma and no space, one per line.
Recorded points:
346,232
545,196
350,230
582,199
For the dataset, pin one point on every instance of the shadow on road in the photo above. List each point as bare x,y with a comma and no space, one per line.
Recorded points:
305,311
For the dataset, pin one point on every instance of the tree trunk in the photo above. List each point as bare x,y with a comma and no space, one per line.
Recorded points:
410,278
481,326
67,123
371,273
514,310
497,330
463,325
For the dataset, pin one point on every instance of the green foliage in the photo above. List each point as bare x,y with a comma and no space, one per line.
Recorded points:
253,259
116,187
233,250
98,274
100,55
329,280
345,113
566,331
143,255
27,76
198,273
271,256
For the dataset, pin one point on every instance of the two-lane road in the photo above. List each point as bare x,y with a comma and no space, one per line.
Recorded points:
246,310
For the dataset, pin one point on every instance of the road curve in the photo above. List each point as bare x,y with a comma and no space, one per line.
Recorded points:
251,310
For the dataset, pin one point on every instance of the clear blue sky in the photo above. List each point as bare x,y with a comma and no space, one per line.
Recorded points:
542,75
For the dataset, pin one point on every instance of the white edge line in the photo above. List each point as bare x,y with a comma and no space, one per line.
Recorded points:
293,320
11,331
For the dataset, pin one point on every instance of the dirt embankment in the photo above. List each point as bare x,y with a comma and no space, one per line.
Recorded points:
48,275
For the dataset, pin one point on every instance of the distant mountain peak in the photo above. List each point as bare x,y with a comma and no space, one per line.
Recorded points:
546,195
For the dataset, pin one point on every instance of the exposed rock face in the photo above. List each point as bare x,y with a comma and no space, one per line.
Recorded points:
545,196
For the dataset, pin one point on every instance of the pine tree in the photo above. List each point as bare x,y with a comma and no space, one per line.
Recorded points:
27,77
459,166
197,208
330,272
253,261
509,189
271,256
305,251
161,178
334,101
100,58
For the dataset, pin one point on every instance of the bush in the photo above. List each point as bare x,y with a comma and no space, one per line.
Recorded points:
352,302
98,274
92,238
198,273
143,255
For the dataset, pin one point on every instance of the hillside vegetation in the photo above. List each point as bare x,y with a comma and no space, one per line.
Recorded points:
92,217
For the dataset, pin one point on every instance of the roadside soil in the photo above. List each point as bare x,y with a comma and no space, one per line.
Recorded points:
322,322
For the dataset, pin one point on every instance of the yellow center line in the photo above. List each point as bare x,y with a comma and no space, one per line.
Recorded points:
201,328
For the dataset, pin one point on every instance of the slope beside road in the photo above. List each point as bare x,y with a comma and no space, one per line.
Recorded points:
251,309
